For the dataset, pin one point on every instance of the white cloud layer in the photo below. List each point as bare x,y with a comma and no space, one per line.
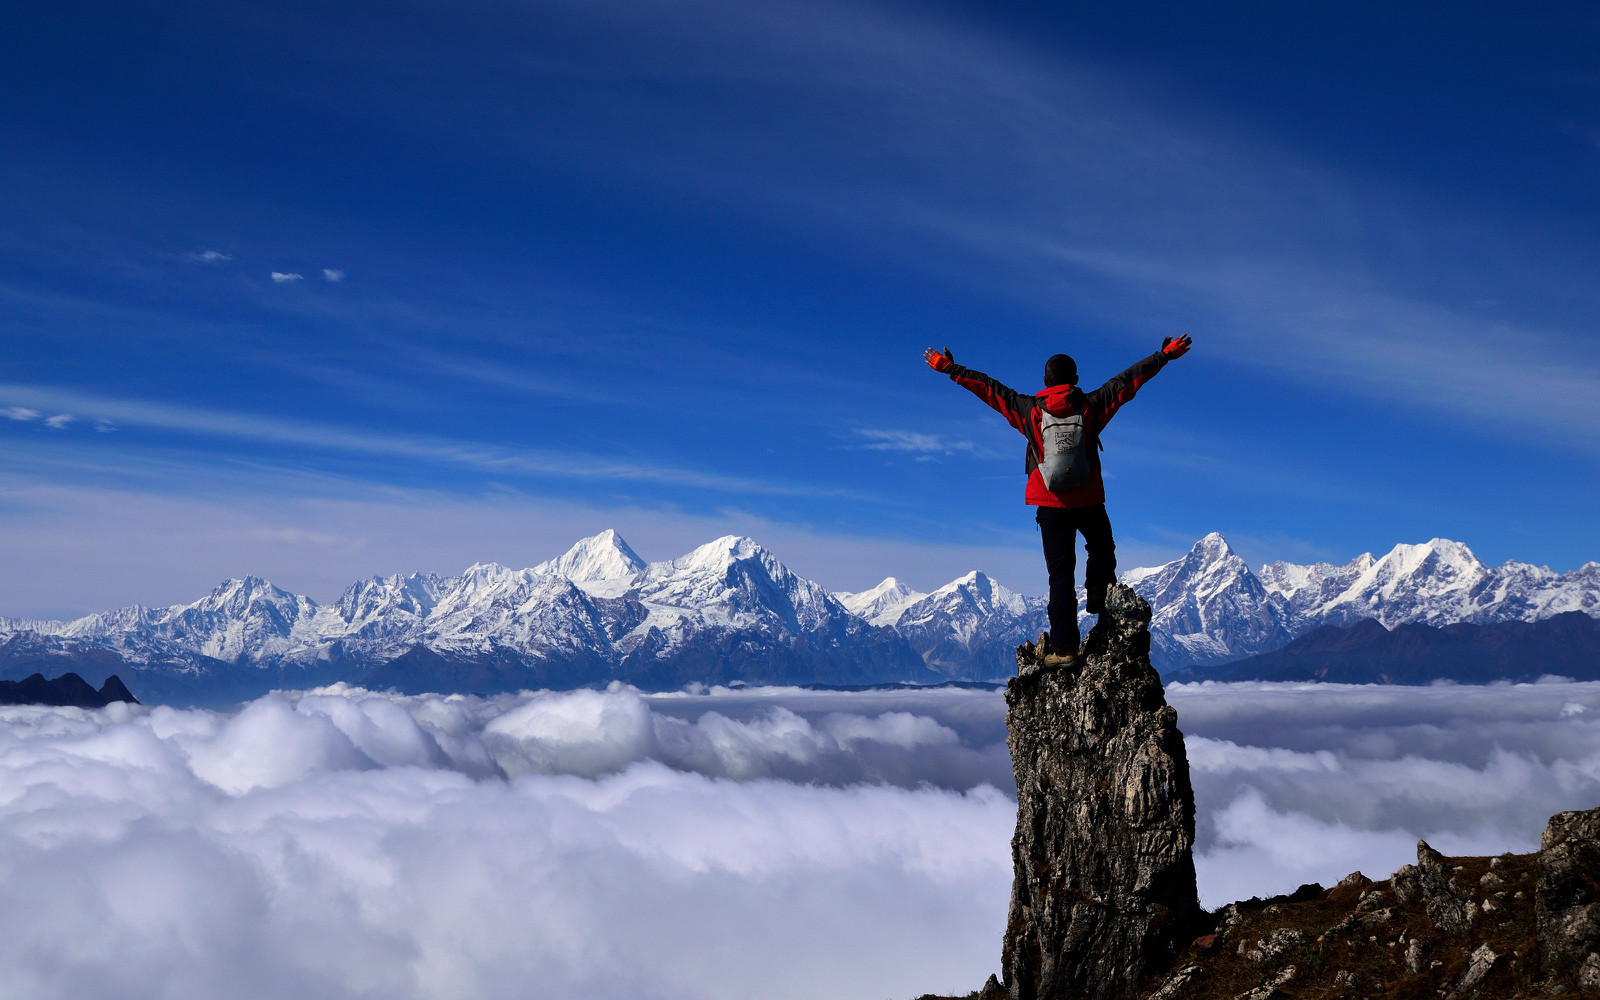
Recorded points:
332,274
1301,783
284,279
343,844
774,843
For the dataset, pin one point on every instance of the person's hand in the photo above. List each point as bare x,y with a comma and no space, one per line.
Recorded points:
1175,347
939,362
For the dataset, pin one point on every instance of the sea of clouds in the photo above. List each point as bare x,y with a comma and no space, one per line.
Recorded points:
774,843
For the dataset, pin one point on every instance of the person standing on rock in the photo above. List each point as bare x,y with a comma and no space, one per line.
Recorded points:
1063,425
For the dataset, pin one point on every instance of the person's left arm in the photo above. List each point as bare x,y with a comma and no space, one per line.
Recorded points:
1105,401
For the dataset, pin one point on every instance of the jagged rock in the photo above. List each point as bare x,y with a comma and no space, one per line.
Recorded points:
1354,878
1104,883
1177,985
1449,902
1564,826
1478,966
1407,883
1378,916
1272,988
1414,956
1273,946
1589,973
1566,900
1372,900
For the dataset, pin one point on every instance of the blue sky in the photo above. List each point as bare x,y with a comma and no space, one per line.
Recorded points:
316,291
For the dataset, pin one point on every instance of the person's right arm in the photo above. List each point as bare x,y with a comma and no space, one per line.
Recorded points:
1006,401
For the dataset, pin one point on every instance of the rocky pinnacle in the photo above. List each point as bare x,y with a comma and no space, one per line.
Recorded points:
1104,884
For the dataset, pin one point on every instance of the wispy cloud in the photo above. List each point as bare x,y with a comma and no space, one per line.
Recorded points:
332,274
478,456
1147,213
914,442
283,278
210,257
27,414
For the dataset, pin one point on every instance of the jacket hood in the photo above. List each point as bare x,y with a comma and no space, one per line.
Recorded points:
1061,399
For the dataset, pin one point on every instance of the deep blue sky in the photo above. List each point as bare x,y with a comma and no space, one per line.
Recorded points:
669,267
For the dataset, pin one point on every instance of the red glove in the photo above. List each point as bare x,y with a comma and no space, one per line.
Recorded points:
937,361
1175,347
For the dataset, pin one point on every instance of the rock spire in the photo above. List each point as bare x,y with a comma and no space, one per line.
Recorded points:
1104,886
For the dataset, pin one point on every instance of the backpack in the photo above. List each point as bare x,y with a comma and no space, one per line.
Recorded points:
1067,464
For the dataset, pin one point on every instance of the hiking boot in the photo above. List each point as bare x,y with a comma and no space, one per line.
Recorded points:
1061,659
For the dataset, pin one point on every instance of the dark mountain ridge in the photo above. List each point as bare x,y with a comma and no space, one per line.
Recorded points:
1366,652
68,689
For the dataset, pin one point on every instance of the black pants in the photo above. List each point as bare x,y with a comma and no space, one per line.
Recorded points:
1059,527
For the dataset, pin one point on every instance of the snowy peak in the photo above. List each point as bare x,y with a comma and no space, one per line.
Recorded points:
735,582
601,558
379,599
883,604
1435,582
1436,567
483,576
974,593
971,627
1207,606
1209,569
716,555
242,593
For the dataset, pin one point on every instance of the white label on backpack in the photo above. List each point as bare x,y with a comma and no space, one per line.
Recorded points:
1066,465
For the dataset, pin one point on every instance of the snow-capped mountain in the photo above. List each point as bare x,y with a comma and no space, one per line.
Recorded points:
970,628
602,564
882,604
731,611
728,611
1435,583
1208,607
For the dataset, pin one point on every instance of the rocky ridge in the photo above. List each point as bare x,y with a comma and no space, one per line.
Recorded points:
1507,927
1103,901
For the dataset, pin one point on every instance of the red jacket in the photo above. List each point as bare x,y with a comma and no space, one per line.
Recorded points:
1023,412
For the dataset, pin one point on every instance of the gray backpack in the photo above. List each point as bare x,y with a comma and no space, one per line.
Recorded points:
1066,465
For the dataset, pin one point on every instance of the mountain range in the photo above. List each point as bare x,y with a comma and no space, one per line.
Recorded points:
731,612
1365,652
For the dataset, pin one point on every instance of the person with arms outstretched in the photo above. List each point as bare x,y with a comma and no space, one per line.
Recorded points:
1063,425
